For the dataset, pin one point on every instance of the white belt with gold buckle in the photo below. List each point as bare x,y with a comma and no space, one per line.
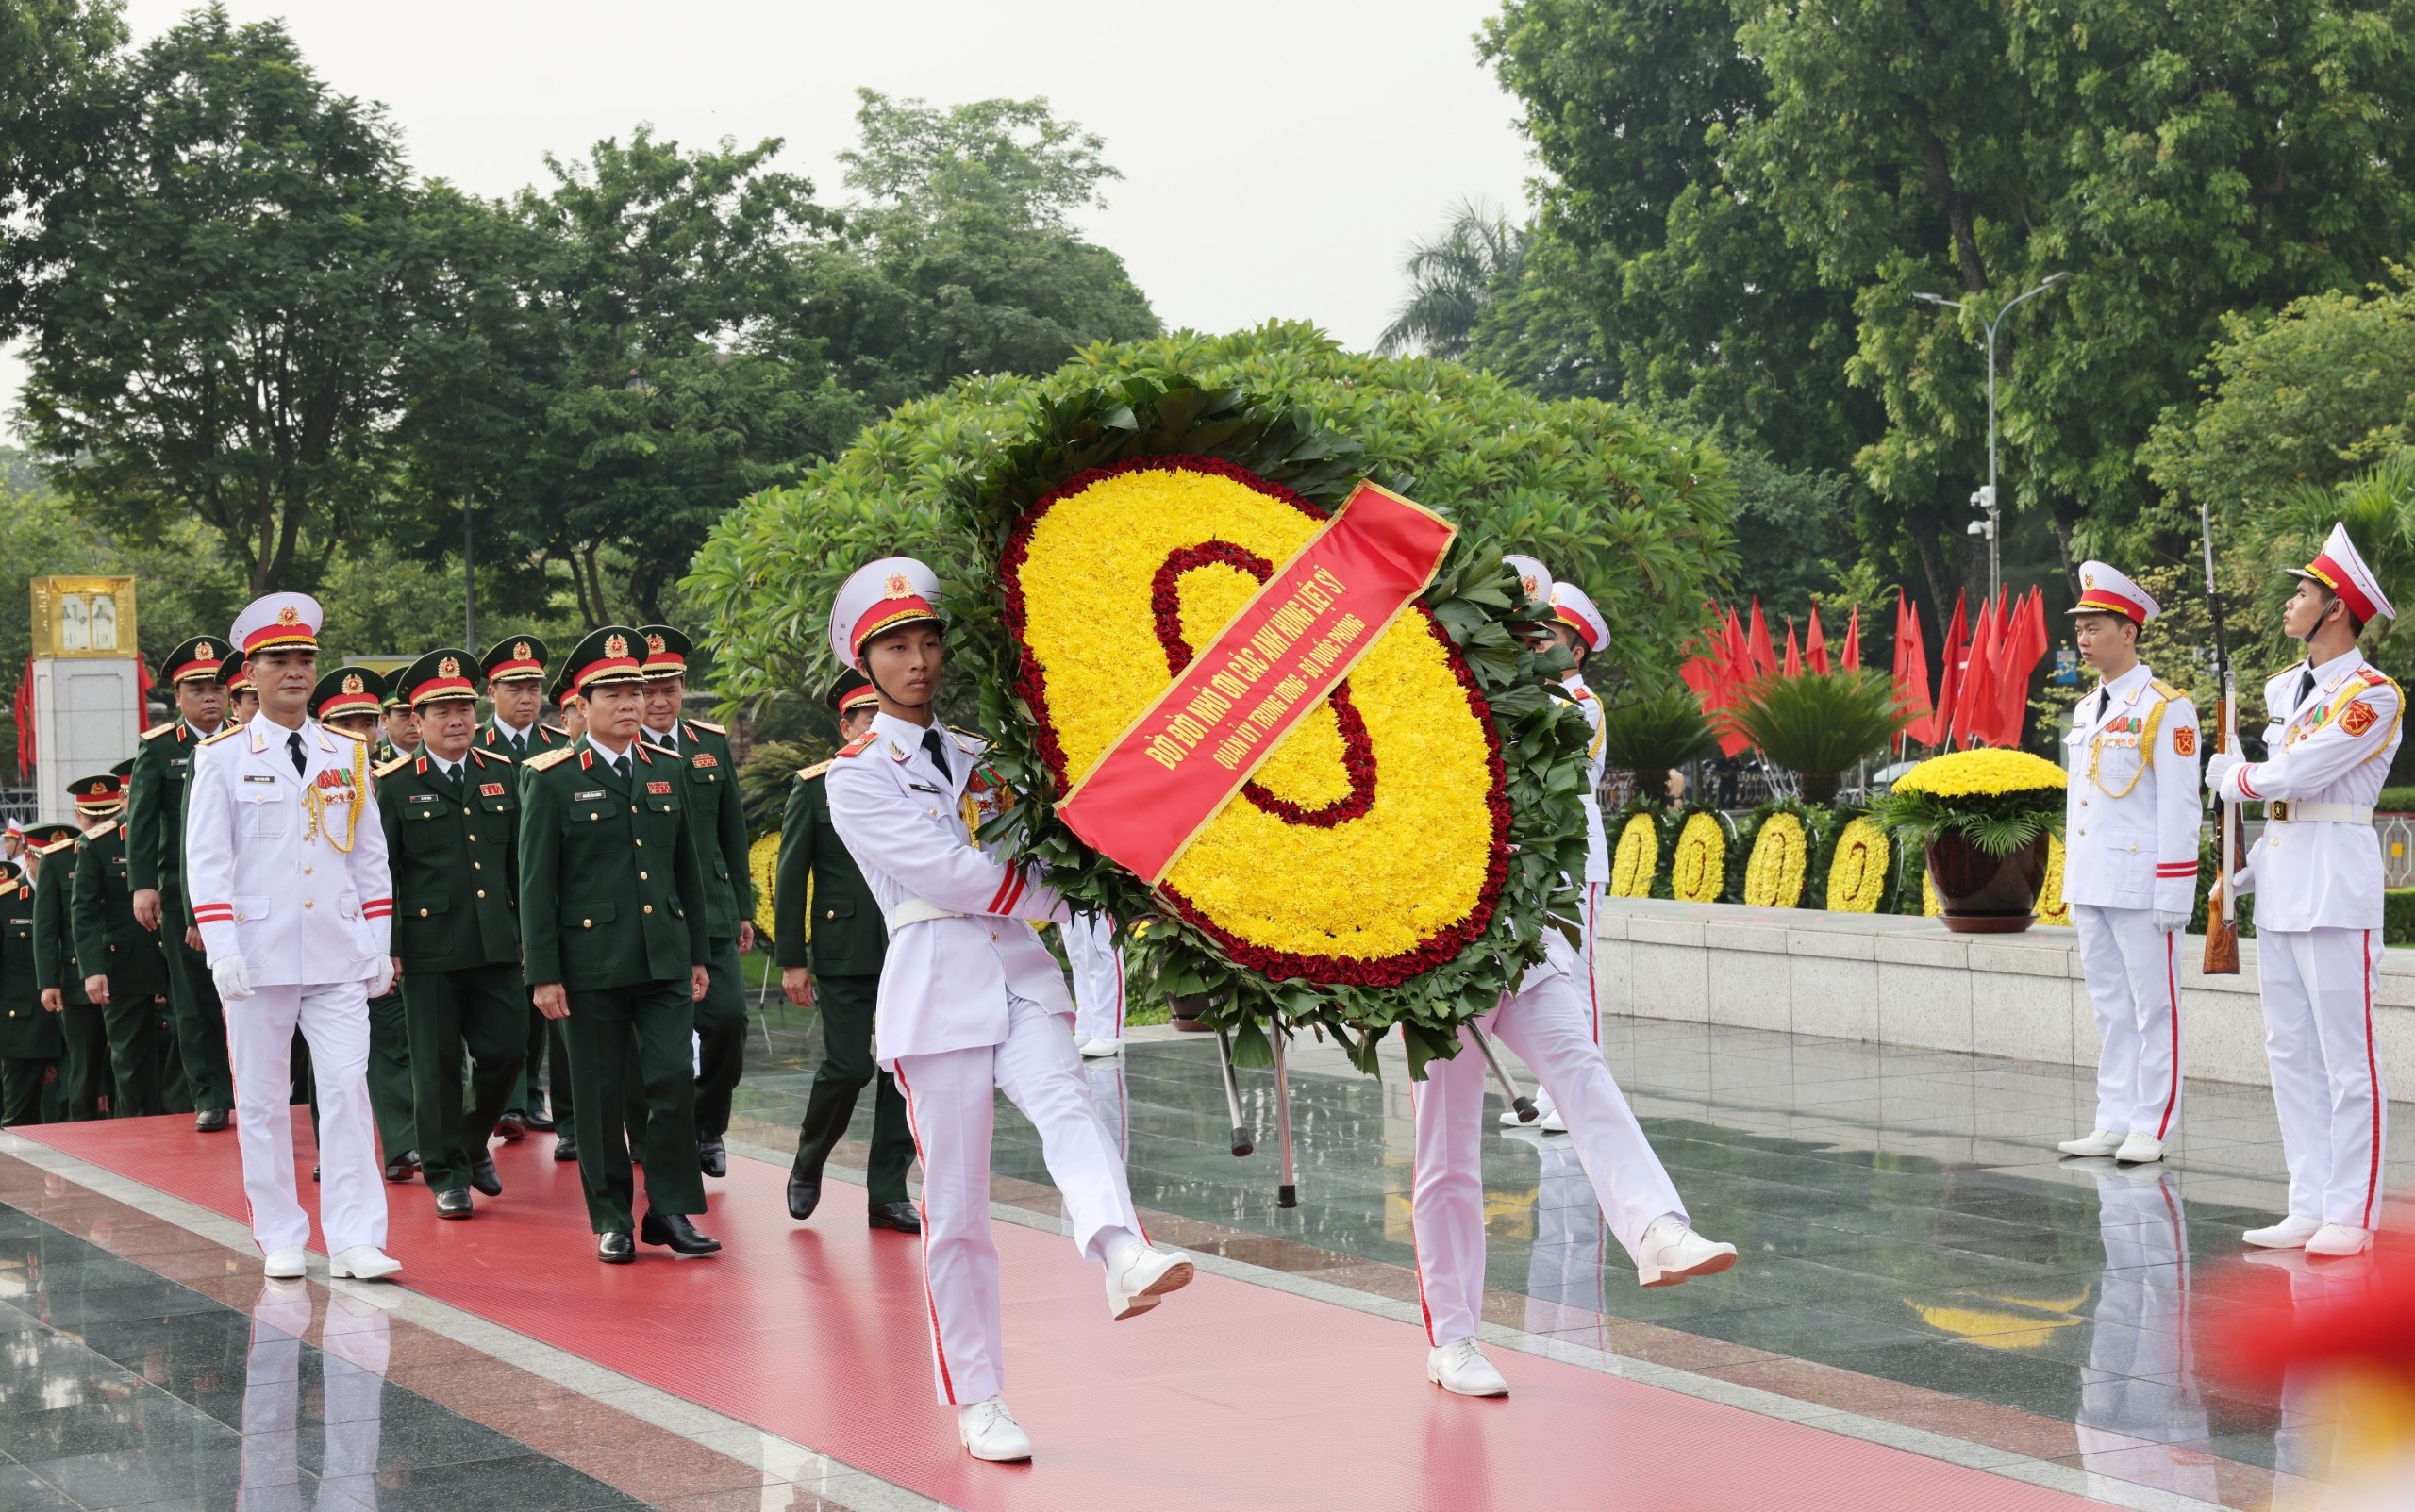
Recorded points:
2298,811
915,911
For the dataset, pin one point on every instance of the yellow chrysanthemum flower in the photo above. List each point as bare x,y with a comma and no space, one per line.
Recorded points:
1774,874
1698,871
762,864
1636,858
2052,909
1983,772
1857,876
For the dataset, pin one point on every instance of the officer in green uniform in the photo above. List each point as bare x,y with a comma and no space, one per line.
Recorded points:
452,819
154,868
831,942
348,699
125,970
401,736
612,925
515,674
717,819
84,1067
30,1043
242,699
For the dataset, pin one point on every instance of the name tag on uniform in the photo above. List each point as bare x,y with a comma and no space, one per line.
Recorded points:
490,790
179,761
585,797
423,797
658,789
922,787
705,758
268,777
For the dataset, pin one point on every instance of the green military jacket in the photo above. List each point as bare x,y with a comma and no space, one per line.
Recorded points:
609,890
154,810
454,848
101,914
55,963
716,813
27,1033
845,936
541,739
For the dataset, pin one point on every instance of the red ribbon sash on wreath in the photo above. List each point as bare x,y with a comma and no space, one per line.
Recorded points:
1178,765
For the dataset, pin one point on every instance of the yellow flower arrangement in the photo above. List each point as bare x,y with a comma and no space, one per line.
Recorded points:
1857,875
2052,909
1636,858
762,864
1773,873
1930,907
1698,868
1981,772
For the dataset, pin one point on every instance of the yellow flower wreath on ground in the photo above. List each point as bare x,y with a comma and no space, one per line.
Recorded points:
1857,876
2052,909
1698,870
1636,858
1773,873
1983,770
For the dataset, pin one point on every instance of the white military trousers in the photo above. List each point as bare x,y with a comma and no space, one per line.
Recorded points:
2317,988
334,1020
1097,962
2133,972
1590,893
1544,1024
950,1103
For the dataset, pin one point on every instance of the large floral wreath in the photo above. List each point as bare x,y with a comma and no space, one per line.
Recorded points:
1393,861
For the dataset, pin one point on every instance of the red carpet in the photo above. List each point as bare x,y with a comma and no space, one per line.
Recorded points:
1229,1396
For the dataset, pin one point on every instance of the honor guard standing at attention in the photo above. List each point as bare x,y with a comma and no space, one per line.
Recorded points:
154,816
612,919
84,1064
717,819
286,858
125,970
972,1003
514,669
452,818
2317,875
831,942
347,699
30,1043
2131,818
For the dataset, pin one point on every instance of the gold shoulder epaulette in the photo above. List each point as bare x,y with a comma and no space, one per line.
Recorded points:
381,773
2373,676
343,735
231,729
485,754
808,773
555,730
707,724
546,760
63,842
855,746
157,730
2164,687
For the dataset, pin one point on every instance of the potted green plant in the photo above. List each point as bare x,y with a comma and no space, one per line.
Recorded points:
1652,736
1982,818
1817,724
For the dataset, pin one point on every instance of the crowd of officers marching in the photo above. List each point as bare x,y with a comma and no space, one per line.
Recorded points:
108,1006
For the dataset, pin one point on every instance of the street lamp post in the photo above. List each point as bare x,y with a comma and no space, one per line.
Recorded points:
1986,498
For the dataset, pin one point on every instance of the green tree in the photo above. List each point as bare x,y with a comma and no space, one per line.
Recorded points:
51,55
1454,278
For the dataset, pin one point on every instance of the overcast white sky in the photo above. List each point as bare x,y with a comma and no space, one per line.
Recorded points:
1276,157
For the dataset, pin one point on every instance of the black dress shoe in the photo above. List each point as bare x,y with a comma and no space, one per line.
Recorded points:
403,1167
540,1123
805,1195
514,1124
900,1216
482,1174
713,1157
615,1248
676,1231
565,1149
209,1121
454,1203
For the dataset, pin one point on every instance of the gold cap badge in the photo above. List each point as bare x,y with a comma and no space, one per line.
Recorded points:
203,649
289,615
520,650
352,683
653,645
896,587
616,646
449,667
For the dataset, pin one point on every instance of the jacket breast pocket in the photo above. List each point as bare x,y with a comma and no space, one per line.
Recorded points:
422,832
432,909
263,811
586,916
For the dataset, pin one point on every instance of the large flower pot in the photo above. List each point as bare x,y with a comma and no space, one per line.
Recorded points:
1983,895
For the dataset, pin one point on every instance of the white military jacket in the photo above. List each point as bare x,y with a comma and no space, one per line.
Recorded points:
2131,812
288,871
2331,748
959,941
1598,849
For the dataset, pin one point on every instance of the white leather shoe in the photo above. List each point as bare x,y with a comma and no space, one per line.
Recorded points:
2337,1241
1100,1047
2095,1144
2139,1150
1461,1369
1143,1279
287,1265
1673,1253
2289,1234
364,1262
989,1431
1553,1122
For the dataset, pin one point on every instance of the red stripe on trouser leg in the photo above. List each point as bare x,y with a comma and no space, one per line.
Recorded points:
1593,944
1119,992
2172,987
2373,1076
1425,1313
914,1128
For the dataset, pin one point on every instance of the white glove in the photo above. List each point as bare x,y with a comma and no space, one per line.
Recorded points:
234,978
2220,765
2170,924
383,982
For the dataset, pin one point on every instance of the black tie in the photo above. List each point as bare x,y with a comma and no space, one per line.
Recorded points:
2103,702
936,751
621,767
293,744
2306,687
519,744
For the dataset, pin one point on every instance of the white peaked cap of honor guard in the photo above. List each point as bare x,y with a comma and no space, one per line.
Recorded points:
880,596
2104,590
1577,611
1533,576
2341,569
278,621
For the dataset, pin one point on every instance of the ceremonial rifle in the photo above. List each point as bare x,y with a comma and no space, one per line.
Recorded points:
2222,914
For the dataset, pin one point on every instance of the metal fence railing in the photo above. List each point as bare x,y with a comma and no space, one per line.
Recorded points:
20,803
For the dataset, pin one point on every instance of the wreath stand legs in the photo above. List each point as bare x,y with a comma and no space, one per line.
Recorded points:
1286,1193
1518,1100
1243,1143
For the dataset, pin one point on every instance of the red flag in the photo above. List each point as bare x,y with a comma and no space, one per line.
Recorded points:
24,712
1911,674
142,694
1815,645
1974,705
1793,664
1850,659
1949,675
1756,643
2024,647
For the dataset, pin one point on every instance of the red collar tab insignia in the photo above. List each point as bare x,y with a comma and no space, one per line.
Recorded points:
658,788
419,767
586,759
857,746
490,790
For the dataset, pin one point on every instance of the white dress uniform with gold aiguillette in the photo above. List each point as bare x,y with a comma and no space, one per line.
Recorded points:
286,865
2132,813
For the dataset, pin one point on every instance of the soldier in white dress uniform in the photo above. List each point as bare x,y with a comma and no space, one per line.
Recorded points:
970,1002
1544,1024
286,864
2317,877
1096,959
2131,817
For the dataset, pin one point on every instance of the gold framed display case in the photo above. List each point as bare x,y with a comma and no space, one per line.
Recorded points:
84,617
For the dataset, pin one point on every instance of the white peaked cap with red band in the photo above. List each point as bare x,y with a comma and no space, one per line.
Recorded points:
2107,590
1577,611
278,621
880,596
2340,568
1533,576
